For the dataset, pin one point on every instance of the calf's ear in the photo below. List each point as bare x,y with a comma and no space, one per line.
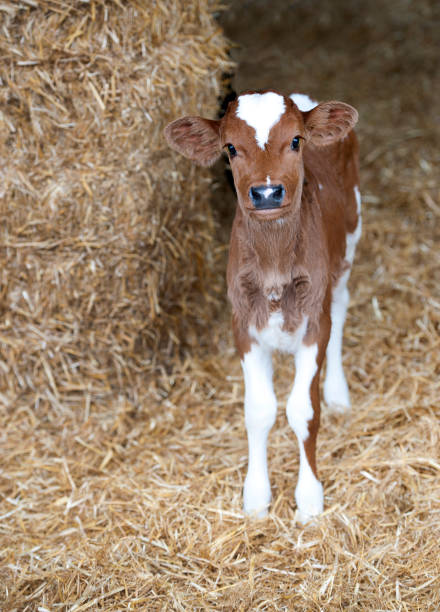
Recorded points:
195,138
329,122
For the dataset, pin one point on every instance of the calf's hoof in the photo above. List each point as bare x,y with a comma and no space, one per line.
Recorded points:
309,500
336,395
257,497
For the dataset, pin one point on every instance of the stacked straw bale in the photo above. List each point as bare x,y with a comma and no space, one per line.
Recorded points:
108,261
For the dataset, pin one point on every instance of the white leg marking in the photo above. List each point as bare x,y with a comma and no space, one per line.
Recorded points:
299,404
352,240
357,194
260,412
308,493
336,392
261,112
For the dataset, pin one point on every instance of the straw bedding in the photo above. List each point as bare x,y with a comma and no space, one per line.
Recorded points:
112,505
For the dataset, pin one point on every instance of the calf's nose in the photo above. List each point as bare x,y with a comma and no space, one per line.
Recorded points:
267,196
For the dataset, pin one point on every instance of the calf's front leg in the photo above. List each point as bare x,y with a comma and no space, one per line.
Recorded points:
303,414
260,412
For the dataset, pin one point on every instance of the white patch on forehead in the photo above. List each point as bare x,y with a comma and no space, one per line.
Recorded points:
261,112
303,102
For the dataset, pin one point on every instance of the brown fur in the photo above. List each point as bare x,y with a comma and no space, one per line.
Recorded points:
294,253
303,257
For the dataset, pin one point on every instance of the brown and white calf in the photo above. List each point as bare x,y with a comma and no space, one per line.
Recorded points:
295,168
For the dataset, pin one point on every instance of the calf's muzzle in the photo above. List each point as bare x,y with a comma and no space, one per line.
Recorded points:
267,196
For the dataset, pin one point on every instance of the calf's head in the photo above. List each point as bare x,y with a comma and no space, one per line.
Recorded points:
264,135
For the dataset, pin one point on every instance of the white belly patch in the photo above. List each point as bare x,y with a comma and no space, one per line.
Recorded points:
275,338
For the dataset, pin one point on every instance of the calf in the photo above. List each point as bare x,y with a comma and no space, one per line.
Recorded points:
295,168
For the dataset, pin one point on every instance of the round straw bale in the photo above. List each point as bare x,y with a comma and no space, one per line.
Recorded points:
108,260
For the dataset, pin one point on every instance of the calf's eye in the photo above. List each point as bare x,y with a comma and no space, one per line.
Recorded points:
294,145
231,150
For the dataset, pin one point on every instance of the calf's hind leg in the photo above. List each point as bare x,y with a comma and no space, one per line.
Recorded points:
336,392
